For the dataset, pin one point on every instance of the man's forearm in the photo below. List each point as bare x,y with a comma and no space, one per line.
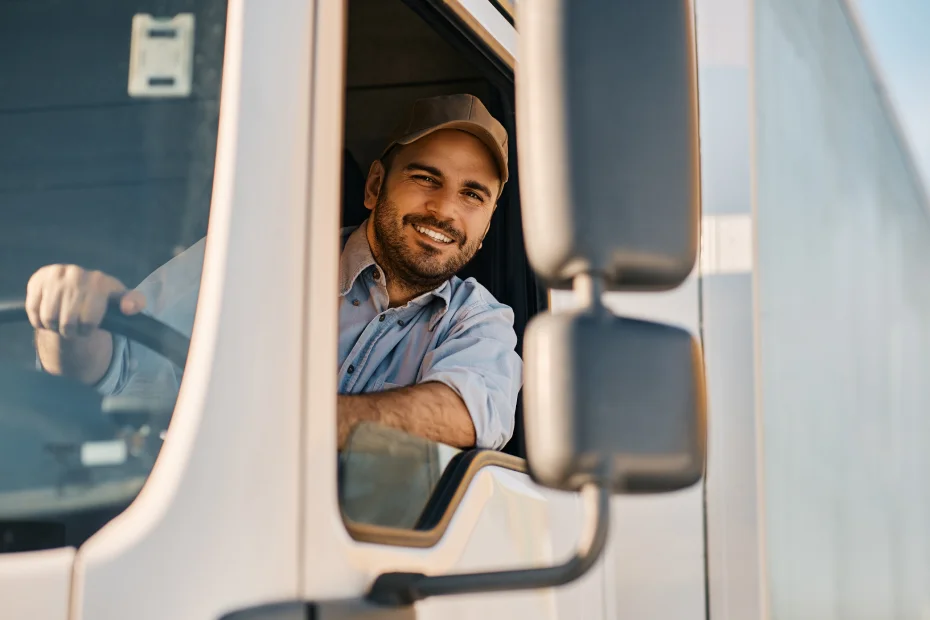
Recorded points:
432,410
85,358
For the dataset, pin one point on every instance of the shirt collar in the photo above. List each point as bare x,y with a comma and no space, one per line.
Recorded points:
357,257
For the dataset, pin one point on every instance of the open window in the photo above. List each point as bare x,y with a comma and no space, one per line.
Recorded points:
400,51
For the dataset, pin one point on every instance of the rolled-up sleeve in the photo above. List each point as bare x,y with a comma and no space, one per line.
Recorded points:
136,371
171,293
115,377
478,360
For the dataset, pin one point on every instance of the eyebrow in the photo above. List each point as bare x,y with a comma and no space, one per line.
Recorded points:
475,185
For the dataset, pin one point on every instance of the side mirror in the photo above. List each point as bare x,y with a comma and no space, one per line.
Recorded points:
607,120
613,402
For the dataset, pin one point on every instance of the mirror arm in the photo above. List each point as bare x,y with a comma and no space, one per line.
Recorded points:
589,288
398,589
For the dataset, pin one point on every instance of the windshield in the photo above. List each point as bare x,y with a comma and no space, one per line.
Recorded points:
108,116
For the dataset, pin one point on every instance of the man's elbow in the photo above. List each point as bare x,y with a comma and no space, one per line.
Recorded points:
494,440
490,407
496,427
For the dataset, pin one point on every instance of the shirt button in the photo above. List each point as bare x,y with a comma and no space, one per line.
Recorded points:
381,319
401,322
350,369
354,302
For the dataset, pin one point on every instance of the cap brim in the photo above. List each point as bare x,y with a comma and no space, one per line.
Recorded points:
469,127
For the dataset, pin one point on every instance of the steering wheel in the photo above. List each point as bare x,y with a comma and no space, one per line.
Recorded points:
65,411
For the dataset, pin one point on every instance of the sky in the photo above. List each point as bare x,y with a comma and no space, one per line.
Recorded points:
898,32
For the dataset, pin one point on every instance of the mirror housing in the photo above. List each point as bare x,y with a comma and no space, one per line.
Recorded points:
613,401
607,127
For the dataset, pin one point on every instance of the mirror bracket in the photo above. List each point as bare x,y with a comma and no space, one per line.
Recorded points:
589,289
402,589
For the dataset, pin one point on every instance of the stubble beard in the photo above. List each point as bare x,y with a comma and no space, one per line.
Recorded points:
422,269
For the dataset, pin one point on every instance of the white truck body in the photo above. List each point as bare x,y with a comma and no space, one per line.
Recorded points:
241,507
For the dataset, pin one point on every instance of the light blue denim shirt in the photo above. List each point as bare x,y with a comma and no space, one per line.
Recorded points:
457,334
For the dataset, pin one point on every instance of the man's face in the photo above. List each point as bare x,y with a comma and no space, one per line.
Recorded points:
434,207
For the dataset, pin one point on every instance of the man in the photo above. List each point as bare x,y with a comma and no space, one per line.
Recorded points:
420,350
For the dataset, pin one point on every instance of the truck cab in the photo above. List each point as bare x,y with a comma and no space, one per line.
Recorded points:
134,130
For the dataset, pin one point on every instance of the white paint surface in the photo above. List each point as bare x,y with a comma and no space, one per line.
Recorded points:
35,585
726,244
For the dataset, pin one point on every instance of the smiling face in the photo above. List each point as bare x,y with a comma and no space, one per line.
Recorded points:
432,209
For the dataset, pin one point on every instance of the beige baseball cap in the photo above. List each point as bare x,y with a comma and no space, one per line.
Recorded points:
462,112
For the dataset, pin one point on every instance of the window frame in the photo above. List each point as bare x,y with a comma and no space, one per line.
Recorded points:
453,20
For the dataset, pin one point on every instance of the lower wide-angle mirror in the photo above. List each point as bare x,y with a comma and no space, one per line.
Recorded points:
613,401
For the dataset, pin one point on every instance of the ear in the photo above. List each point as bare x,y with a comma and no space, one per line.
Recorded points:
376,179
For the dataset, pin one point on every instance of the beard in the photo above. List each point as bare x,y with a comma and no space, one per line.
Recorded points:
418,267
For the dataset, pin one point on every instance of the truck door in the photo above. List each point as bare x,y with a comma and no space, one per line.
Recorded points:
405,504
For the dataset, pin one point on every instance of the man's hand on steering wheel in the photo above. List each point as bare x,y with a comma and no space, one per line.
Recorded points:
76,314
72,301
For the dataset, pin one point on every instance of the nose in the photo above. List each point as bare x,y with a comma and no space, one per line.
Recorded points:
442,205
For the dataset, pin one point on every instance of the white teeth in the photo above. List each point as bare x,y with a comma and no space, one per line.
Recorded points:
432,234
